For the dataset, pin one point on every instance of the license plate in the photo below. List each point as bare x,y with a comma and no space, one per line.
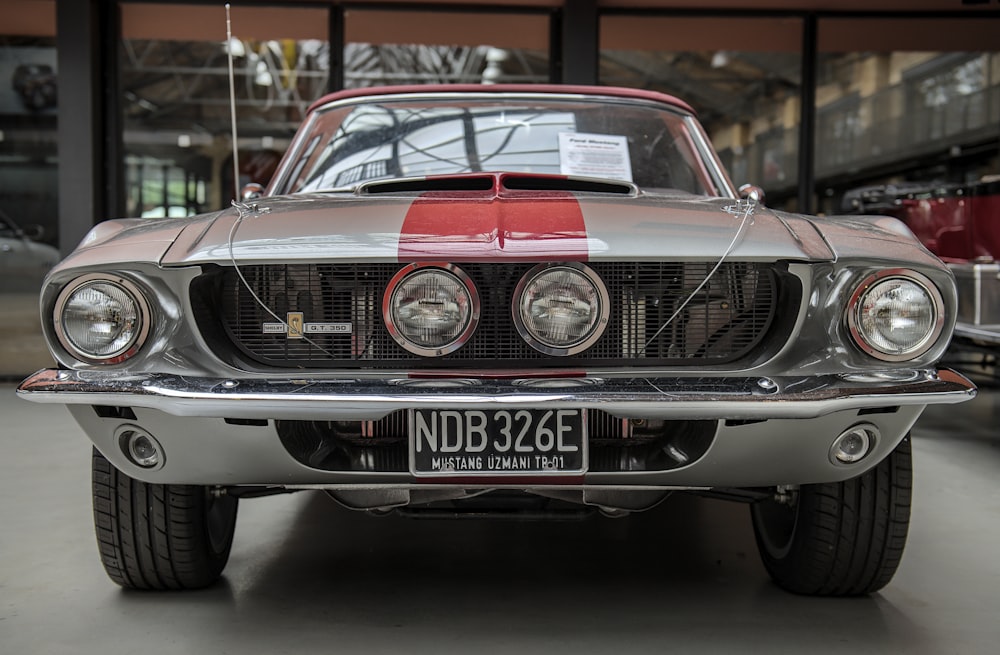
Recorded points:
499,442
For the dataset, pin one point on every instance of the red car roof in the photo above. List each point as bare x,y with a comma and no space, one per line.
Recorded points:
615,91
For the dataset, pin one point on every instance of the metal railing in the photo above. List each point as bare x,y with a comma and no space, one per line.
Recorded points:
894,125
890,126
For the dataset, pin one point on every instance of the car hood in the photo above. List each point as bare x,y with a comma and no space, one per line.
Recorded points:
482,226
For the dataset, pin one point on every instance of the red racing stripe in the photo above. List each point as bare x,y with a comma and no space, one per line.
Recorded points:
463,226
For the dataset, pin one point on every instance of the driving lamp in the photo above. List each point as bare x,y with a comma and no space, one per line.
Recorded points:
561,309
431,309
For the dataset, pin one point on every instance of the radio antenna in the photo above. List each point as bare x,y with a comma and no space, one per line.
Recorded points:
243,209
232,107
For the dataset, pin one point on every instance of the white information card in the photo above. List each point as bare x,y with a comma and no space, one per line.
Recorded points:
594,155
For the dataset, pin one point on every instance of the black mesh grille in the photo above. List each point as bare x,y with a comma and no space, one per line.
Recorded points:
615,444
724,321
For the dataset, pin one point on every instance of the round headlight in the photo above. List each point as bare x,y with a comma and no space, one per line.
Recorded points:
431,309
101,320
561,309
896,315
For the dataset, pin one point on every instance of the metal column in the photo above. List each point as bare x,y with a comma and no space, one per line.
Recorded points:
807,117
580,42
88,152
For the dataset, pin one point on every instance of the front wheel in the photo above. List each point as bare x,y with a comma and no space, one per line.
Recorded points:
839,538
160,536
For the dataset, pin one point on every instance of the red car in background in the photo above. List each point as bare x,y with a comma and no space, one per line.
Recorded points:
960,223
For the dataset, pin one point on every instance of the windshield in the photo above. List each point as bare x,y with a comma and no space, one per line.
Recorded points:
346,145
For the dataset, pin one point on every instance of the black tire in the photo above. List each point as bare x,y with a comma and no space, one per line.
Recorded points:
842,538
160,536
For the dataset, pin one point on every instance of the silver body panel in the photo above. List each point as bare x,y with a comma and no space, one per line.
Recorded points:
776,416
363,229
797,419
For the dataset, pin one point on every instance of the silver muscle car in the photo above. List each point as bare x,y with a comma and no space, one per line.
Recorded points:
476,299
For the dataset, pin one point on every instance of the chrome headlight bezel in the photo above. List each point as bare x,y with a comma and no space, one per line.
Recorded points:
140,329
595,331
873,283
407,275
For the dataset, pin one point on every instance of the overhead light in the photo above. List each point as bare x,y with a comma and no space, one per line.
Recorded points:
720,59
263,75
234,46
495,57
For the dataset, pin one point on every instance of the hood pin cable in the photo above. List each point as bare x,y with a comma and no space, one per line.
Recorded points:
743,209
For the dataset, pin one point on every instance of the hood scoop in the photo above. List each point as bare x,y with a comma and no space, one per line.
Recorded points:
553,183
497,182
428,185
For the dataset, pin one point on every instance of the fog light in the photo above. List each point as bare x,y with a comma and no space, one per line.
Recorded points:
854,444
140,447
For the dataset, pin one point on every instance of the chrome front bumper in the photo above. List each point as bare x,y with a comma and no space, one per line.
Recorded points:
638,397
769,430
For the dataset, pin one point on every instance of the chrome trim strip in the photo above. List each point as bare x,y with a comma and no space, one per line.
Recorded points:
357,399
710,156
986,333
977,281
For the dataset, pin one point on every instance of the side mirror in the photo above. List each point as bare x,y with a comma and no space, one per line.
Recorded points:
752,192
251,191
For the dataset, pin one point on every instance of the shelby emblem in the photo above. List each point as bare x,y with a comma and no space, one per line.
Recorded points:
295,327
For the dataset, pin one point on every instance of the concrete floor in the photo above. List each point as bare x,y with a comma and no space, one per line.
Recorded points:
308,577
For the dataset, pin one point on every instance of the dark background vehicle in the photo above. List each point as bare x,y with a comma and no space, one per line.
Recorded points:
36,85
23,260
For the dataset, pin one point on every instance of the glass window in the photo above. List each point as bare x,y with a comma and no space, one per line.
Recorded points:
741,75
175,98
364,140
949,94
29,185
444,47
893,112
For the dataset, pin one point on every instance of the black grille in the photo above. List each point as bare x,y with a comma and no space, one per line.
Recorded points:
615,444
724,321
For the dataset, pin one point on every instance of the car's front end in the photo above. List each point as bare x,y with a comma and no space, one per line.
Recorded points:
422,340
